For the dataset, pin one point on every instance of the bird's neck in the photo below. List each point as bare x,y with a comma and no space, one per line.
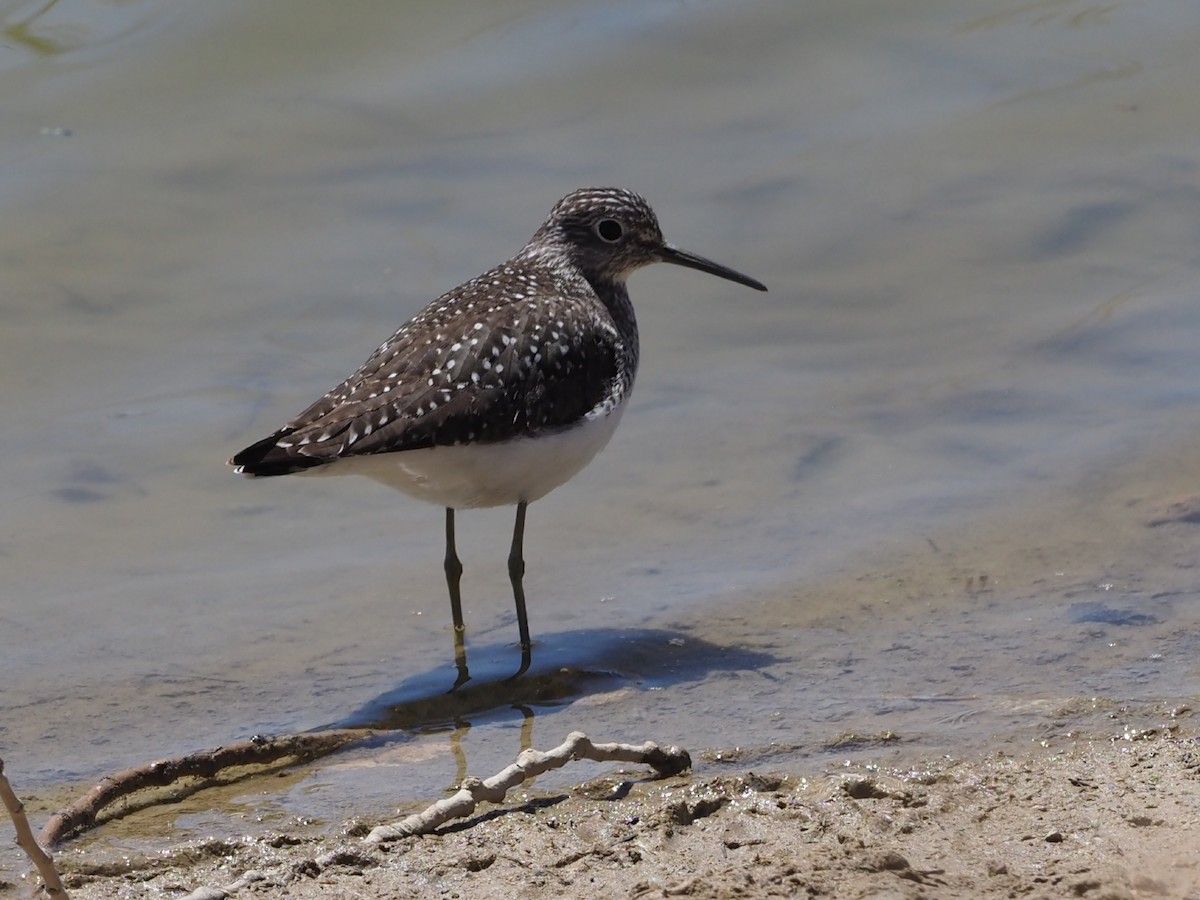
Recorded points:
616,298
550,254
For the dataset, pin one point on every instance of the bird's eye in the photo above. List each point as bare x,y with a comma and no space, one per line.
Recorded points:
609,230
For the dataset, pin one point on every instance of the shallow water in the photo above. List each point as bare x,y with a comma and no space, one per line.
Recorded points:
907,490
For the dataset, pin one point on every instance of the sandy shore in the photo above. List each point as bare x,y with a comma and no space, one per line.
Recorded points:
1102,816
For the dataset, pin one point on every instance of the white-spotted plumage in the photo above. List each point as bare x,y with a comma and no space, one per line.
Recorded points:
502,389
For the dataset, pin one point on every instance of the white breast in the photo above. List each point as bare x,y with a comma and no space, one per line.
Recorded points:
470,476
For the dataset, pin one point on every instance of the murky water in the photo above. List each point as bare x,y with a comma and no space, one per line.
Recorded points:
906,491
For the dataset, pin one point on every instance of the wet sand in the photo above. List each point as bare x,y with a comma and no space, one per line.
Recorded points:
1104,815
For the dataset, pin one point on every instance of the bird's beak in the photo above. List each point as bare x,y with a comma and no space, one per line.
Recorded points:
679,257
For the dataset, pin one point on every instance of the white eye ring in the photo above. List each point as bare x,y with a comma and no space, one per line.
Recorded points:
609,230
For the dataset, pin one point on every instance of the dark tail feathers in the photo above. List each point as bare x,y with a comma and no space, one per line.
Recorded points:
266,458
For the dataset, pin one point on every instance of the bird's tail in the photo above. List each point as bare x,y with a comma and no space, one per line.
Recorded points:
266,458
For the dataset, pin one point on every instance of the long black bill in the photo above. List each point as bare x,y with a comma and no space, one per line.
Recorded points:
679,257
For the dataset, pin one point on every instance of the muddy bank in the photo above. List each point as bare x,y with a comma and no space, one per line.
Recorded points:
1096,815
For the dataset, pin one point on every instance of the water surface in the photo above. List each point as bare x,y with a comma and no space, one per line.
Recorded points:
907,490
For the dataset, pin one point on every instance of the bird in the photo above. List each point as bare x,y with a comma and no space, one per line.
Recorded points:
500,390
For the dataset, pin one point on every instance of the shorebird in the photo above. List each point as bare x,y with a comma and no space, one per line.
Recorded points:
500,390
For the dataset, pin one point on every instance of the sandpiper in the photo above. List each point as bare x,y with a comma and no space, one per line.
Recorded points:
500,390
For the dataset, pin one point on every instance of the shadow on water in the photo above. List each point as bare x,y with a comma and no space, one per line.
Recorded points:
565,666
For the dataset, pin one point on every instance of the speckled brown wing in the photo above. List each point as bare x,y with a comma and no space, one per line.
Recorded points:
512,352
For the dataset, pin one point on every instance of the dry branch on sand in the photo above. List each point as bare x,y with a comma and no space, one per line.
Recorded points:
51,883
529,764
82,814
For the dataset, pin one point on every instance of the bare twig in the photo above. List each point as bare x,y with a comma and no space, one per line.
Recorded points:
529,764
81,815
207,893
45,865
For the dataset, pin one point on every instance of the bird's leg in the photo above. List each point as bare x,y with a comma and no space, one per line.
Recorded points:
453,574
516,572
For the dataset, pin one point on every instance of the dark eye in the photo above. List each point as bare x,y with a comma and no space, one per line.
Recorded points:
609,230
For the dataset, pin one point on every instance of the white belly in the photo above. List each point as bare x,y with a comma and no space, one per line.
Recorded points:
476,475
